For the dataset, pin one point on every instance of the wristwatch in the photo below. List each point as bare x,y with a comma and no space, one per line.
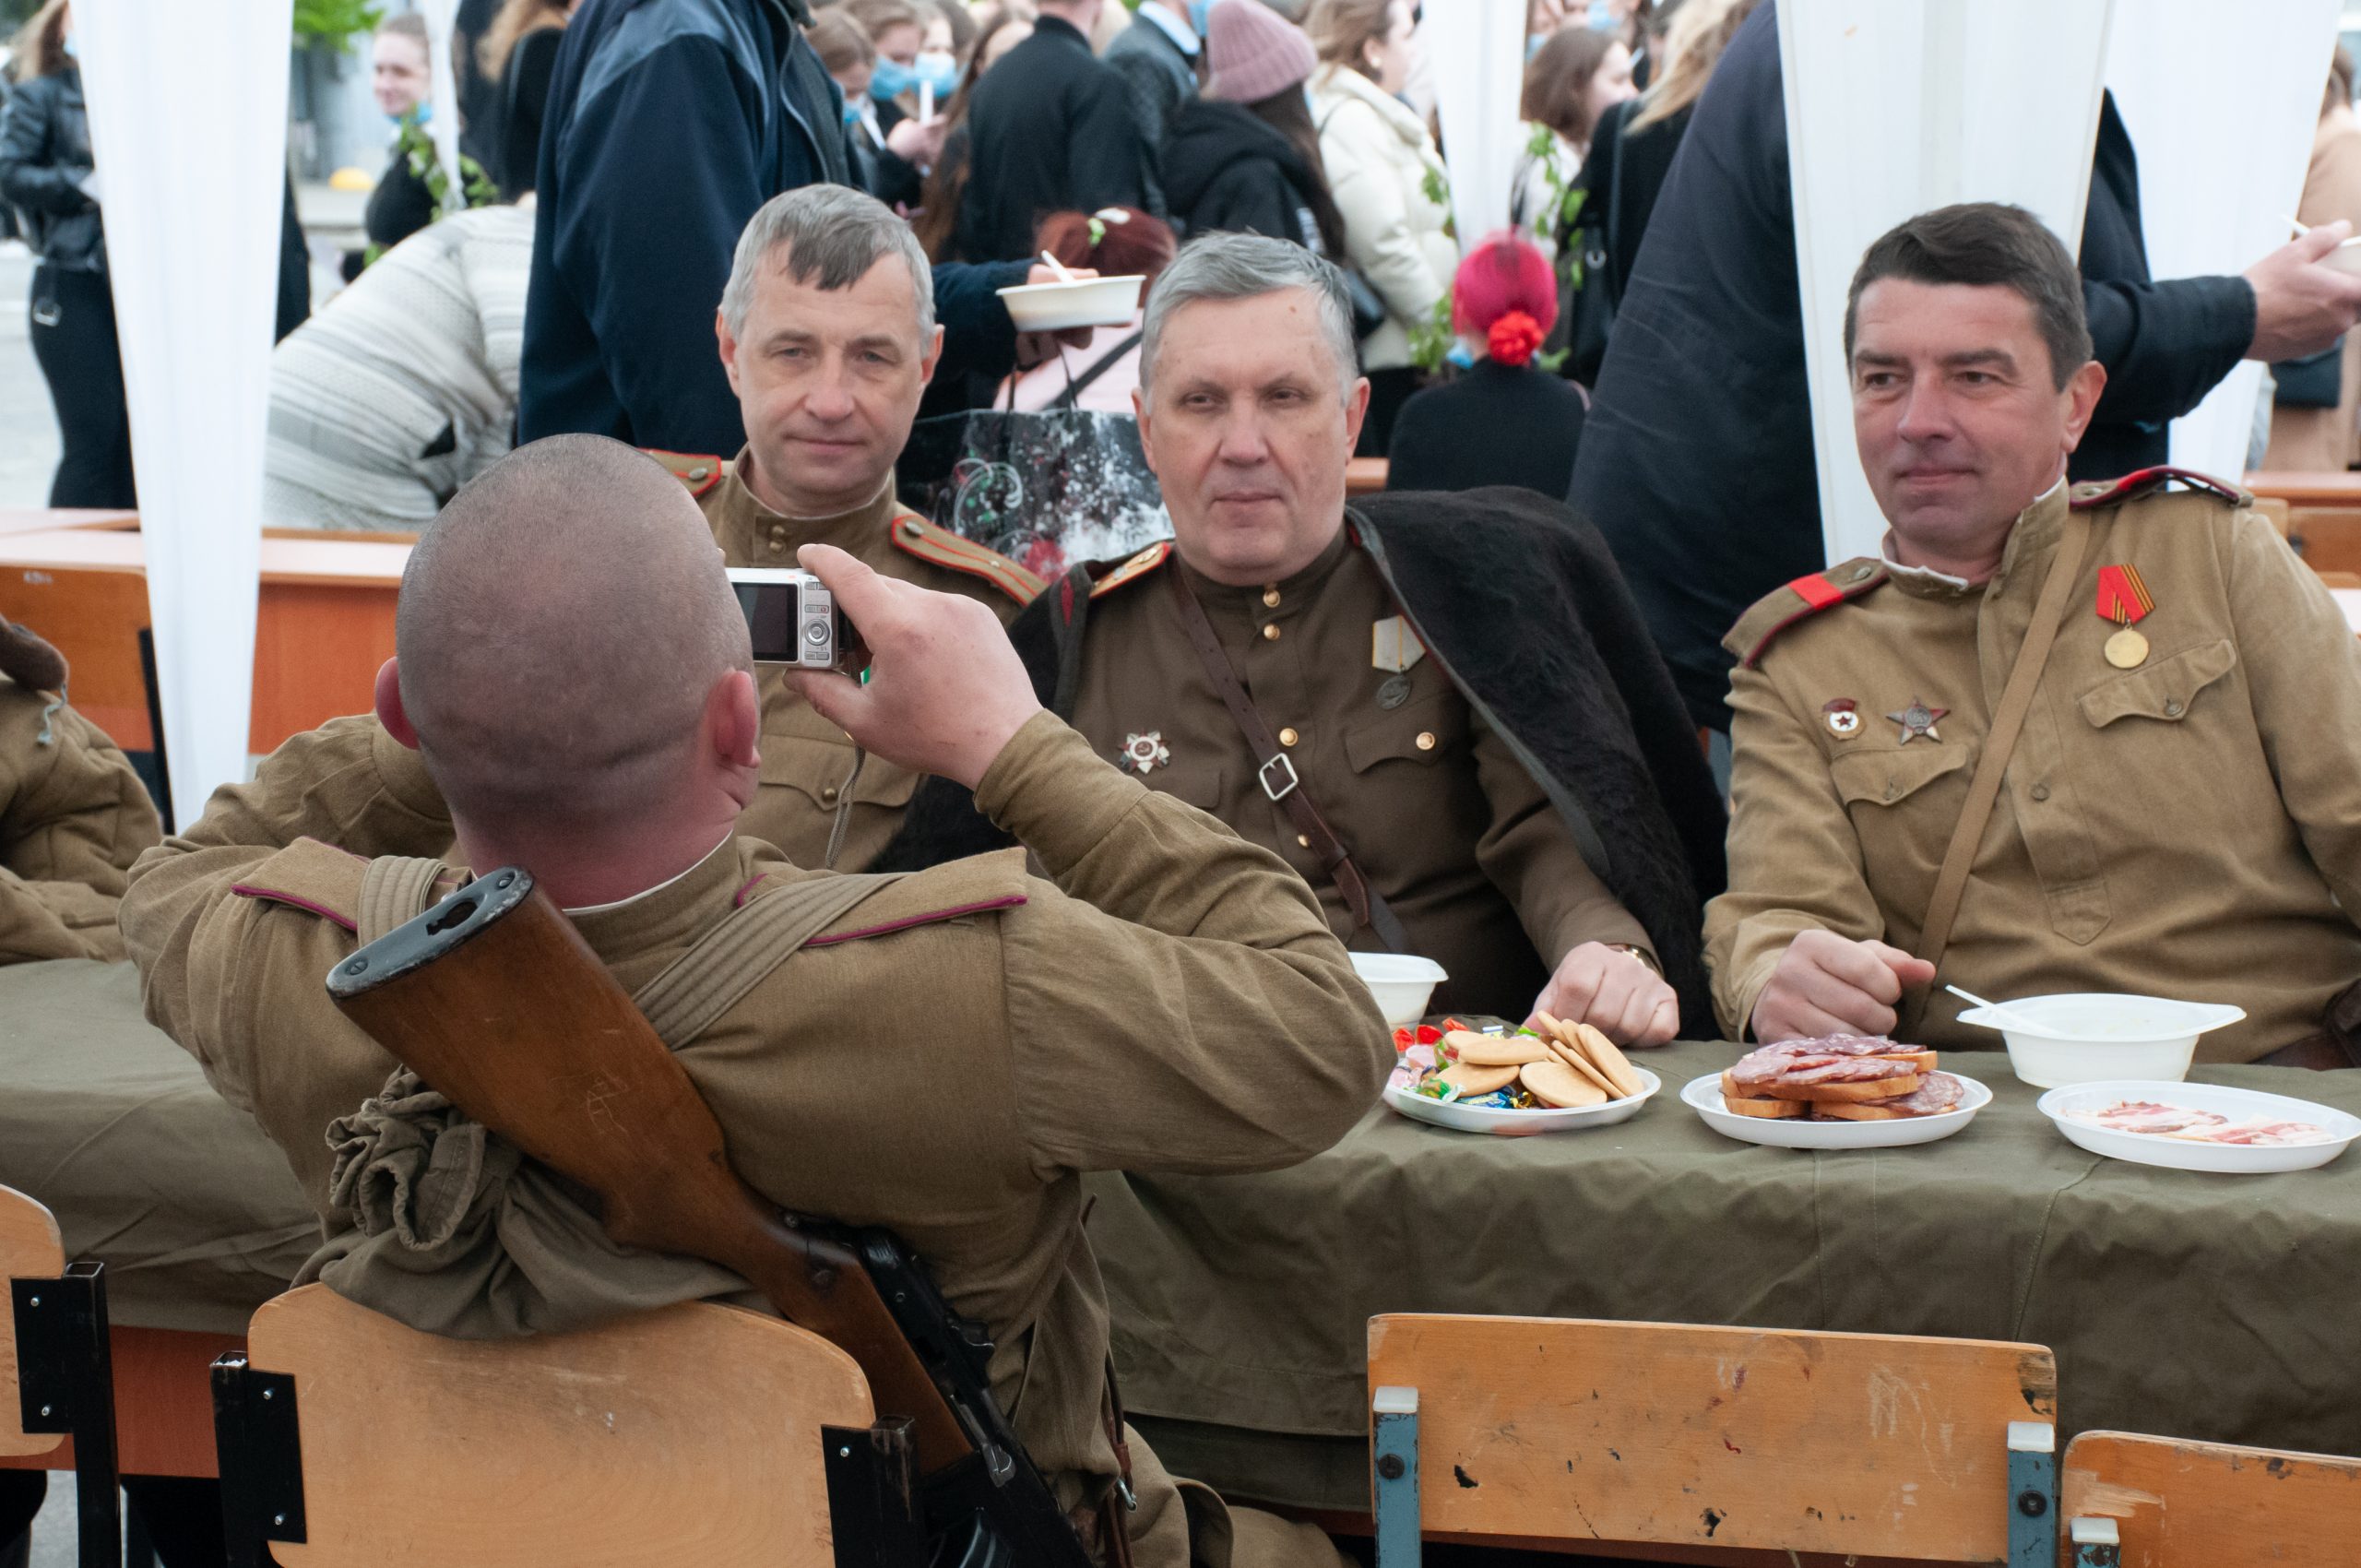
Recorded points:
1641,954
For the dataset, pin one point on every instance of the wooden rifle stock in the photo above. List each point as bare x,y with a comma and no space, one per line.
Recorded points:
496,1001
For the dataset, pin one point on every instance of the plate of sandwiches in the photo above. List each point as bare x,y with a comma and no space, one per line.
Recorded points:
1841,1091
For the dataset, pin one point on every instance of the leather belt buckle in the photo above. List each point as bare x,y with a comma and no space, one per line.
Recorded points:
1281,791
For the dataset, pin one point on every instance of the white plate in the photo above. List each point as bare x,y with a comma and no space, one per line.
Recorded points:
2180,1153
1085,302
1522,1123
1704,1097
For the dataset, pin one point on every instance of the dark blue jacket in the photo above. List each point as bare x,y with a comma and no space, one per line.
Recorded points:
668,123
1697,460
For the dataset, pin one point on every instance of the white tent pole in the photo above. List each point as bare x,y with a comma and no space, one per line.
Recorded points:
188,131
1478,51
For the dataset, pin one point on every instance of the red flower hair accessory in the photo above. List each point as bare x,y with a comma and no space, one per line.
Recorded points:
1514,338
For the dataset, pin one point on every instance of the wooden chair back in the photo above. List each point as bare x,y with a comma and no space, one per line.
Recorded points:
2180,1505
690,1435
31,1248
1556,1429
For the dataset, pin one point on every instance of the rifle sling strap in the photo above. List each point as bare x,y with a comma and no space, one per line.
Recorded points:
1368,905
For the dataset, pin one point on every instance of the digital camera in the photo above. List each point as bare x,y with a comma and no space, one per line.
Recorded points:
793,619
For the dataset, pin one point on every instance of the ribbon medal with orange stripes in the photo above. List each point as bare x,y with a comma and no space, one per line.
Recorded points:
2124,598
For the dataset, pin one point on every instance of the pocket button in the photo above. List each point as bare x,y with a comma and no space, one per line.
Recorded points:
2040,792
2172,707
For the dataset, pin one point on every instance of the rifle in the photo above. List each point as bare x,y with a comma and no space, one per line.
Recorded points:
493,998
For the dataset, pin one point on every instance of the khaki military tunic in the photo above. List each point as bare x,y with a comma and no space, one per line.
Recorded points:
73,817
806,759
1443,820
944,1060
2190,827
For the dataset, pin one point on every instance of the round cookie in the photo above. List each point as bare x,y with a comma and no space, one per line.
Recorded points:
1496,1051
1555,1084
1471,1078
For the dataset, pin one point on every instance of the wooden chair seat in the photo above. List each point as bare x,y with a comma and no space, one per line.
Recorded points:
1557,1431
685,1436
2176,1504
31,1248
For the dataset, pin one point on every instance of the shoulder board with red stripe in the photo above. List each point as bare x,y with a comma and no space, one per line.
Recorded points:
309,875
2148,482
1130,571
913,535
1800,599
698,471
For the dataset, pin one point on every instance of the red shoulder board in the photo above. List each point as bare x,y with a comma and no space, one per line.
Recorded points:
2148,482
913,535
699,471
1800,599
309,875
1130,571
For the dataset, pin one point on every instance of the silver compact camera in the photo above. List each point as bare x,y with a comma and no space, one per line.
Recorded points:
792,619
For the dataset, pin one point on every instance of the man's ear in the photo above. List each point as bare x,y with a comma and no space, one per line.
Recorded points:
728,347
733,720
390,712
931,357
1356,413
2081,397
1148,428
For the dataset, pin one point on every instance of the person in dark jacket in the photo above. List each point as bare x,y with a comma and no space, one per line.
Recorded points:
1697,462
1246,157
669,122
519,54
1051,130
47,175
1505,420
1158,58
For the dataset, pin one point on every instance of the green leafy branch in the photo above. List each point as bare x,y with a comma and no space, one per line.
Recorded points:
335,22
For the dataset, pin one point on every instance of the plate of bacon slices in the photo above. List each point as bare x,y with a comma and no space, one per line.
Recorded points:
1841,1091
2199,1126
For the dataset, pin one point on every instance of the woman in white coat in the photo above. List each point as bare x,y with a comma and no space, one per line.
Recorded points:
1380,163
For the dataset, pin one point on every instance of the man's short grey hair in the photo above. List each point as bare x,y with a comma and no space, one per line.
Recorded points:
833,234
1246,267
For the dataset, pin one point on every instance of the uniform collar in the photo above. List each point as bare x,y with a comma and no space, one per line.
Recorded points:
2030,539
1267,602
749,530
675,910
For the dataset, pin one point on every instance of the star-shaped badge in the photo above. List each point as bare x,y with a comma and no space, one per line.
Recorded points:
1143,754
1918,719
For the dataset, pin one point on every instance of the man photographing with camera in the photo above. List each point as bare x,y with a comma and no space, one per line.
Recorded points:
941,1056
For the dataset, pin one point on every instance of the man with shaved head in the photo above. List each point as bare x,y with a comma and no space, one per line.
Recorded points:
937,1053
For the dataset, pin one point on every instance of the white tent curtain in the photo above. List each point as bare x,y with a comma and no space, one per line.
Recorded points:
1477,50
188,130
2222,159
443,127
1897,106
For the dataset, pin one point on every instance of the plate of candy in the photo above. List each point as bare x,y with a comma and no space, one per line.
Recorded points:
1512,1083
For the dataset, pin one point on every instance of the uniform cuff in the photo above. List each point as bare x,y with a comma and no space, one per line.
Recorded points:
1053,793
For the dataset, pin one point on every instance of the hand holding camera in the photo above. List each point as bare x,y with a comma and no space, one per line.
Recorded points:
945,691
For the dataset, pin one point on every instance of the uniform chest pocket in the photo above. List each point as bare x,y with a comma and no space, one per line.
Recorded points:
1198,786
2164,691
1423,731
1887,778
817,769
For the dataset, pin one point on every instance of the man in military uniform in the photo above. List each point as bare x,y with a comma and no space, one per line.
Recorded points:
2180,814
73,815
947,1052
1401,793
827,331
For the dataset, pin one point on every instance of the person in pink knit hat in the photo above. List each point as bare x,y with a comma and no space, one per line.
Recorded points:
1246,157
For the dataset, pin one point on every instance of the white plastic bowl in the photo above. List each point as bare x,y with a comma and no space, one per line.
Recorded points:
1085,302
1400,983
2346,258
2183,1154
2088,1037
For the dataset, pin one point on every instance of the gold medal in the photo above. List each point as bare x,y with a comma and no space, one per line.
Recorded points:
2127,649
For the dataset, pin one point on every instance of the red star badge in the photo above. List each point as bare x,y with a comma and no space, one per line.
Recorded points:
1918,719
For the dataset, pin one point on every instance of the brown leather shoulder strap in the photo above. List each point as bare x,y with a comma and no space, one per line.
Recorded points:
1275,772
2016,701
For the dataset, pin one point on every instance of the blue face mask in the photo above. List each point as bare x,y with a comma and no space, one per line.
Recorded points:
67,43
891,78
1201,14
1601,18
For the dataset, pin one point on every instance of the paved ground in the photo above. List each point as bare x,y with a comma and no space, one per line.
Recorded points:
28,442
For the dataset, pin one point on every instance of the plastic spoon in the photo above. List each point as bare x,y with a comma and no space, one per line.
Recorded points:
2303,229
1058,266
2014,1020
